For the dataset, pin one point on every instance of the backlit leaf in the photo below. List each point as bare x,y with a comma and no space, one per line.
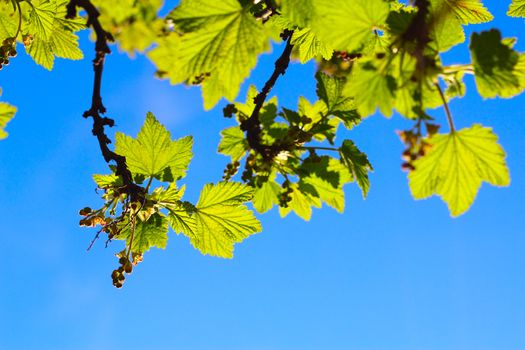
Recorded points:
153,153
456,166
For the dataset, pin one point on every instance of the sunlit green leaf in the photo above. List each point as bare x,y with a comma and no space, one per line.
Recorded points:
233,143
7,112
266,196
310,46
469,11
456,166
499,70
217,46
153,153
347,25
372,87
148,234
52,33
357,163
331,91
517,8
219,220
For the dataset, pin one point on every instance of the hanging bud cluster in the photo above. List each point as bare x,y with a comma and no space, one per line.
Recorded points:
231,170
286,195
126,267
416,145
7,50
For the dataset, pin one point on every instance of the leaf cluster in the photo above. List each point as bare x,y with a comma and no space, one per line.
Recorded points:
213,225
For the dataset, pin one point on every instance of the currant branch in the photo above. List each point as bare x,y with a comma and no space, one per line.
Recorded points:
135,192
252,125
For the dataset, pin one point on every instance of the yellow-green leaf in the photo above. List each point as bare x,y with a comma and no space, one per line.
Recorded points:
456,166
310,46
217,46
52,33
219,220
348,25
266,196
153,153
499,70
470,11
517,8
146,234
7,112
233,143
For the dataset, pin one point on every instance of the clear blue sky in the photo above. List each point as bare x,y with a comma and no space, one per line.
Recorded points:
390,273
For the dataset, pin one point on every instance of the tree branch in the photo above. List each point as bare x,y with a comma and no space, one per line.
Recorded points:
252,125
135,192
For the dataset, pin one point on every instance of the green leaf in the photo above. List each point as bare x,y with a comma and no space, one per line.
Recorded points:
153,153
168,197
134,24
7,112
400,18
331,91
224,194
456,166
219,44
446,30
469,11
8,21
517,8
334,196
372,88
298,12
309,45
42,18
304,198
348,25
107,181
499,70
52,33
233,143
181,222
266,196
148,234
316,111
64,44
357,163
321,178
219,220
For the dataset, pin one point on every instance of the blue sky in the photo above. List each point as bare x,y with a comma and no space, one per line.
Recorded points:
390,273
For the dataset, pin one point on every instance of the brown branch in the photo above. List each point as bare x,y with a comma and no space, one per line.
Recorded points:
252,125
418,32
135,192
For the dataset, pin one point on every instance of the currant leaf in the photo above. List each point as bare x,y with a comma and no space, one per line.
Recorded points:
219,44
219,220
153,153
456,166
146,234
517,8
7,112
499,70
348,25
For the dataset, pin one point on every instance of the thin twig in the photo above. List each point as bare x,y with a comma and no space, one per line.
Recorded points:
19,28
94,240
447,109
